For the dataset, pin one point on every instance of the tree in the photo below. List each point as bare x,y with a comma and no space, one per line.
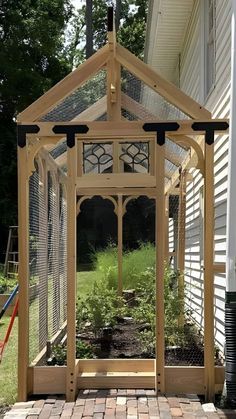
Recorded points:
130,22
32,59
89,28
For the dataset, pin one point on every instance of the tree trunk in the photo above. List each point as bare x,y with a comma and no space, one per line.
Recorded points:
117,15
89,28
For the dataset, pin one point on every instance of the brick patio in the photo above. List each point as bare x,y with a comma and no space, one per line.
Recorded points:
120,404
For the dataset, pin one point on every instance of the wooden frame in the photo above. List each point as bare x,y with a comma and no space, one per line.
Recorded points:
121,373
118,373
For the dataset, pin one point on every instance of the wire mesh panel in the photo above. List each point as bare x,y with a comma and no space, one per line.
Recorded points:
47,258
153,105
184,297
63,254
37,264
80,100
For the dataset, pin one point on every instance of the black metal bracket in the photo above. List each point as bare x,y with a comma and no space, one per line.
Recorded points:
22,130
210,128
70,131
110,13
160,128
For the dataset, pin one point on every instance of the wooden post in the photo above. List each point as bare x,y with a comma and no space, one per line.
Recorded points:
209,273
160,265
120,243
113,80
23,310
71,378
181,245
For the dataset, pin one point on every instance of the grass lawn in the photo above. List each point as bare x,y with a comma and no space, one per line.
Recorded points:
8,366
85,281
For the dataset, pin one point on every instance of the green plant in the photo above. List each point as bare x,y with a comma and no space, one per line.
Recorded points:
83,350
135,262
7,284
102,306
58,355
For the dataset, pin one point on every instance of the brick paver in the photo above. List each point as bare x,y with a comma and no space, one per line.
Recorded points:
120,404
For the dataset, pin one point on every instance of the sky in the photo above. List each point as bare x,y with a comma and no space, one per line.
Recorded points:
77,3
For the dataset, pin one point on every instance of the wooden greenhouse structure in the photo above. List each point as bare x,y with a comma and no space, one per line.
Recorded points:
105,106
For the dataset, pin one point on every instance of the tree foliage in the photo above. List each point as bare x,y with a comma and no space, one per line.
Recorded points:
37,49
32,59
130,22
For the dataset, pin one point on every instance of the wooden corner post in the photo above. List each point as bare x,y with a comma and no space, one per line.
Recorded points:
160,268
120,243
208,272
181,245
209,129
23,231
71,378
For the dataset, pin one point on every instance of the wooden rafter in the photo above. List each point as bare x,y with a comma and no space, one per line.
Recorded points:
94,112
163,87
142,113
66,86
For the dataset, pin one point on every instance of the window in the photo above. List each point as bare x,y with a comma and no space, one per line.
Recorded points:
209,45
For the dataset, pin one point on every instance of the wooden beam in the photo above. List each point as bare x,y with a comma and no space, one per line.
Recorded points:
181,245
120,243
71,381
113,87
163,87
160,266
117,129
94,111
150,192
49,380
116,365
23,277
65,87
219,268
117,373
116,180
142,113
209,273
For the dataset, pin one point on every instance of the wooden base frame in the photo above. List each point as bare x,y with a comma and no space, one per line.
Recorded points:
114,373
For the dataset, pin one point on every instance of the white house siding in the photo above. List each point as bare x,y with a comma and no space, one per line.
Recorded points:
191,81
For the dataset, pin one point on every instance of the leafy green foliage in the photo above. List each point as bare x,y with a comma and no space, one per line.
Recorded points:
131,32
58,356
7,284
32,59
101,307
135,264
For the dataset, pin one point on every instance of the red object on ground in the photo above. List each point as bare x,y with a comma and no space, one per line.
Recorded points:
9,329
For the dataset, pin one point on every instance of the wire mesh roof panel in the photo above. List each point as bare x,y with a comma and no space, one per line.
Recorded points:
80,100
151,100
